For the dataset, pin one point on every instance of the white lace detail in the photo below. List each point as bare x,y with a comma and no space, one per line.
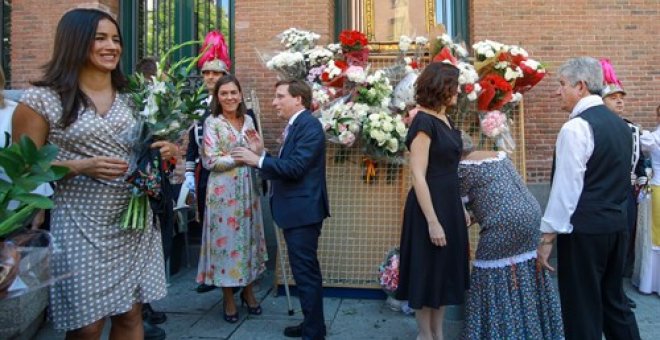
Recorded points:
505,262
500,156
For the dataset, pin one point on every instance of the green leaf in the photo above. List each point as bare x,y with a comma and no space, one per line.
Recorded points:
59,171
39,201
28,149
48,153
26,184
5,186
12,163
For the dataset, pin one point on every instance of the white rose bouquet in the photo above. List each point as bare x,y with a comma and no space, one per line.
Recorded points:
384,135
288,64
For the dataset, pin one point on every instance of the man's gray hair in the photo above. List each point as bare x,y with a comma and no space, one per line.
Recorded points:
586,69
468,145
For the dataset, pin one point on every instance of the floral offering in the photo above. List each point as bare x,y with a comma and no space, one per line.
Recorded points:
165,107
376,90
341,121
384,135
354,47
288,64
494,124
298,40
389,272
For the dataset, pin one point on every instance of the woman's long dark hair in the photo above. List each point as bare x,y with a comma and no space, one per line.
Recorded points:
216,108
74,38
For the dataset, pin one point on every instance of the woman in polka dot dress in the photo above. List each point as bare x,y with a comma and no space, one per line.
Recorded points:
78,107
508,297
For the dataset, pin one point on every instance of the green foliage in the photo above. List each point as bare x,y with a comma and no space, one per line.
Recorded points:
27,167
169,102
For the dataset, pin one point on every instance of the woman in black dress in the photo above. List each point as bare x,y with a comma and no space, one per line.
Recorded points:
434,242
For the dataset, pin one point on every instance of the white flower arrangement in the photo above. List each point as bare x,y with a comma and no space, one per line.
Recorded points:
487,49
377,91
468,81
404,43
298,40
534,65
318,56
421,41
384,134
288,64
356,74
341,122
335,49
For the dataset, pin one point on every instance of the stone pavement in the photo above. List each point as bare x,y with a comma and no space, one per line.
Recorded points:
199,316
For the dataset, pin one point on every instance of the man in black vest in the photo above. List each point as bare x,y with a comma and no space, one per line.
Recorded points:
587,208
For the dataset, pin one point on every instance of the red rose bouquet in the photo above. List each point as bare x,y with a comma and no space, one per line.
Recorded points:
354,46
495,92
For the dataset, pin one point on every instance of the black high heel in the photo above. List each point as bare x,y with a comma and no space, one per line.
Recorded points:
231,318
251,310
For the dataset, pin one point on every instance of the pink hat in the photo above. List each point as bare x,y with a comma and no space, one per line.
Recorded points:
216,53
612,83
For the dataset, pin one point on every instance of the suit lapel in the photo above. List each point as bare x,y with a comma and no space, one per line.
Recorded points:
293,129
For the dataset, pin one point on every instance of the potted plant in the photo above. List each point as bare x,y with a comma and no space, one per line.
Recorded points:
26,168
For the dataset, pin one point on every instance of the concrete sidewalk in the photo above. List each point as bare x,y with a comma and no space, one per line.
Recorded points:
191,315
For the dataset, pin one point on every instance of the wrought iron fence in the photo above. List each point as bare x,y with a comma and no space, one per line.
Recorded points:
5,31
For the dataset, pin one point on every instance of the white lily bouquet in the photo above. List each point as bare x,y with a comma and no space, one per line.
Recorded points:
164,106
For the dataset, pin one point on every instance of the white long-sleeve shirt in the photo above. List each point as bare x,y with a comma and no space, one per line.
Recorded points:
651,147
574,147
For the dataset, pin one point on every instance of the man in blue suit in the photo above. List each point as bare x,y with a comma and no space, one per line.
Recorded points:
299,199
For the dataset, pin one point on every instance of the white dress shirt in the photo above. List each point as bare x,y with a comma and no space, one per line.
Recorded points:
575,145
291,120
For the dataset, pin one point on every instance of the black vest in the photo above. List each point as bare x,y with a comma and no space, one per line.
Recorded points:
602,207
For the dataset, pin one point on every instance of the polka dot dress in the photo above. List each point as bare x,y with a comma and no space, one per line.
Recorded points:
110,269
508,297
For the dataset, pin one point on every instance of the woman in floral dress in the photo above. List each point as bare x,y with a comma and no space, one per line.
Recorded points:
509,298
233,252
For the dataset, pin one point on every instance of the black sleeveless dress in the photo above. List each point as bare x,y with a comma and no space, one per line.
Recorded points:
432,276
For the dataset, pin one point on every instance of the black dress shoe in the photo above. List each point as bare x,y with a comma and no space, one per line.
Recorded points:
152,332
294,331
631,303
203,288
152,316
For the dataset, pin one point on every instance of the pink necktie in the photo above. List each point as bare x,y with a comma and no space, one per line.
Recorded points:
285,133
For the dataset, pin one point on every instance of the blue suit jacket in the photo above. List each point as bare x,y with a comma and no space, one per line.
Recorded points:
297,176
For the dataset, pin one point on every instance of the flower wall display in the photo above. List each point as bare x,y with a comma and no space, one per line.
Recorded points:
354,102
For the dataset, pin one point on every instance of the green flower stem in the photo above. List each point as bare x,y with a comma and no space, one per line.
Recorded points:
15,221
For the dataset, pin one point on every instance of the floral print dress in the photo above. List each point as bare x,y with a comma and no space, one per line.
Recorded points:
509,298
233,251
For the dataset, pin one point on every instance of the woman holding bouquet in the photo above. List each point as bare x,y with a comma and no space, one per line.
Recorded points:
508,297
233,252
78,106
434,268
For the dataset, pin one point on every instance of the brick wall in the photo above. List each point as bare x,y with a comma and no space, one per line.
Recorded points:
257,23
33,31
553,31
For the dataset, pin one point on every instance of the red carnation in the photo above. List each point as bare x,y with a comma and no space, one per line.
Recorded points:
495,92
